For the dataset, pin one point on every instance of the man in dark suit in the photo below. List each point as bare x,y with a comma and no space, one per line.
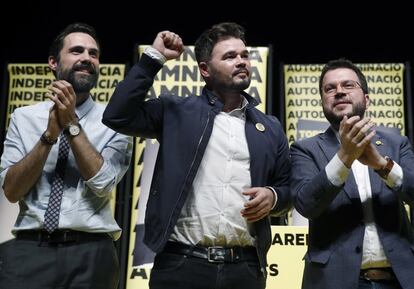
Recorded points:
351,182
222,166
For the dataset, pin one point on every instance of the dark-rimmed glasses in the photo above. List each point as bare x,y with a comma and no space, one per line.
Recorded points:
346,86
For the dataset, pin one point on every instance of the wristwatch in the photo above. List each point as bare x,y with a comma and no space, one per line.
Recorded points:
385,170
46,139
72,130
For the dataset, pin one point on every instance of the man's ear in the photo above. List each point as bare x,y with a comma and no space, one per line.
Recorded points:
366,101
52,63
204,69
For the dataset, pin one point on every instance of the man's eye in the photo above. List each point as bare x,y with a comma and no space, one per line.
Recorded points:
349,85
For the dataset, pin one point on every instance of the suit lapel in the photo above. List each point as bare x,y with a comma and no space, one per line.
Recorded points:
329,145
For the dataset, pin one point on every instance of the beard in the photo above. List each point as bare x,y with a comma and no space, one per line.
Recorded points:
335,119
225,83
241,85
81,83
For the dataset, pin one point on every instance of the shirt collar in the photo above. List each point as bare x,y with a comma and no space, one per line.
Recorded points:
240,111
84,108
248,100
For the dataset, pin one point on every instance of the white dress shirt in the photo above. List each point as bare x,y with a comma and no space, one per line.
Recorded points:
85,203
211,215
372,253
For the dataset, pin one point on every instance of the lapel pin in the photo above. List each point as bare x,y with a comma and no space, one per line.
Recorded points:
378,142
260,127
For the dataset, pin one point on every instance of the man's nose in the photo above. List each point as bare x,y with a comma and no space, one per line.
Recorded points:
339,93
339,88
85,56
241,61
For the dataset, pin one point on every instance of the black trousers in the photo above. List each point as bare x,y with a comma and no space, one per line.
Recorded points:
75,265
176,271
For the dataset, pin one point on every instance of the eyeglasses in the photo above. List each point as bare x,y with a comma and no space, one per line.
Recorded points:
346,86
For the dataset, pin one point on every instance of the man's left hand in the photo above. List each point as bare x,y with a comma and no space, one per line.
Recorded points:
259,204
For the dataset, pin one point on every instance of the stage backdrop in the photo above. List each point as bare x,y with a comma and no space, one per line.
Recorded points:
27,84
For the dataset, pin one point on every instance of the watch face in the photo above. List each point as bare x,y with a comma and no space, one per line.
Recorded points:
74,130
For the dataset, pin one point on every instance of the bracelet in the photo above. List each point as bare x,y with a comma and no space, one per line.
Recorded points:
45,139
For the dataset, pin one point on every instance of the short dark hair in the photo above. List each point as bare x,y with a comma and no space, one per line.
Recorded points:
222,31
343,63
57,44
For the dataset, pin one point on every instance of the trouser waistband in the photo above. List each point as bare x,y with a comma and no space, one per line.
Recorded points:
378,274
214,254
60,236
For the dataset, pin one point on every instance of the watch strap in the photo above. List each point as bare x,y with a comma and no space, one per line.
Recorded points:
46,139
385,170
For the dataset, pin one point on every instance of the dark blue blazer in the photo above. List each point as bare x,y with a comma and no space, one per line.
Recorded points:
183,126
336,227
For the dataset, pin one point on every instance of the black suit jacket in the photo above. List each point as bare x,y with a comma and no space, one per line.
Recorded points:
183,127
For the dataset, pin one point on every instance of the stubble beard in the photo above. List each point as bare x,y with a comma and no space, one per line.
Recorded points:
241,85
335,119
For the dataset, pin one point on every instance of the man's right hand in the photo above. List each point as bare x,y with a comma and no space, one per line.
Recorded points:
53,127
355,135
169,44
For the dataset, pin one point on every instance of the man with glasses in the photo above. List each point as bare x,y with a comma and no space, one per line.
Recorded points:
351,182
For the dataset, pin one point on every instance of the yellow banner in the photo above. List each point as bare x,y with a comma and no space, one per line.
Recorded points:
304,115
285,257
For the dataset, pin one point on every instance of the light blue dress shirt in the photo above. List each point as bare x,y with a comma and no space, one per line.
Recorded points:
85,203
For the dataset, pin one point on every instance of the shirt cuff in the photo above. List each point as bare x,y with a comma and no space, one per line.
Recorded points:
395,177
275,194
102,183
155,54
3,174
336,171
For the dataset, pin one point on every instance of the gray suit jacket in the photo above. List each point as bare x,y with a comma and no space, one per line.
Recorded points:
336,228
